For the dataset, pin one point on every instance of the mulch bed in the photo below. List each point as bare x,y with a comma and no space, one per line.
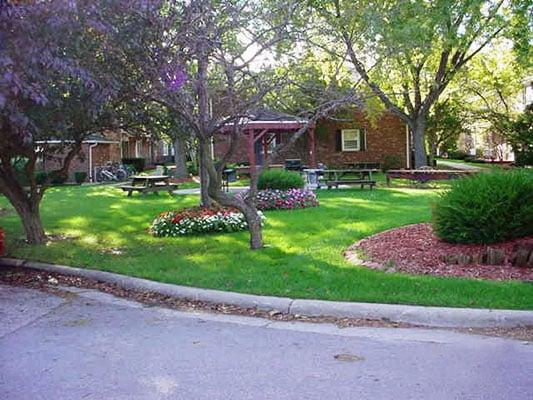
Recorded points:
415,249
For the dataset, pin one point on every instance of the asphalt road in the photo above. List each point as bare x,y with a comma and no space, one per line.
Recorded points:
95,346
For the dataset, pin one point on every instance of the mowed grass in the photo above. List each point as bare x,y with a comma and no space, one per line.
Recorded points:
303,259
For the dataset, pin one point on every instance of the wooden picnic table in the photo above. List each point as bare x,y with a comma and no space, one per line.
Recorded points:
359,176
149,184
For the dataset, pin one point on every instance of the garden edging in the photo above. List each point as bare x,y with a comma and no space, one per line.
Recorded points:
419,315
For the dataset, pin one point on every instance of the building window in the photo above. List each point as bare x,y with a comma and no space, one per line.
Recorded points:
168,149
274,142
351,140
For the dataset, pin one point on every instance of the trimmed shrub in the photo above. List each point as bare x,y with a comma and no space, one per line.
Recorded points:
486,208
391,161
80,176
195,220
271,199
279,179
524,158
137,164
56,178
41,177
457,155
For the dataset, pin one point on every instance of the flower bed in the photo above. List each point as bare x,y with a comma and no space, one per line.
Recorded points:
272,199
196,220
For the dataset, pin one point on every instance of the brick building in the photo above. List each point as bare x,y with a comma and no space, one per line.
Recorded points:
333,142
100,149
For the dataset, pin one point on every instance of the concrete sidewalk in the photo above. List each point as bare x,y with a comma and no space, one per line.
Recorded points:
417,315
91,345
458,165
232,189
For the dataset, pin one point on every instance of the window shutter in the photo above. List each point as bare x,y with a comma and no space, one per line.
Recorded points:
362,137
338,140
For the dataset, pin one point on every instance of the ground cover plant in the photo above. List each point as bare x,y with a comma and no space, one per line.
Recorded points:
486,208
100,228
195,220
273,199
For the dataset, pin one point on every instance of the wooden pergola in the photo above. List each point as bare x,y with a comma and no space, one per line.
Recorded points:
262,127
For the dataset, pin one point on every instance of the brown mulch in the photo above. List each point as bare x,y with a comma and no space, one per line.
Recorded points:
415,249
58,284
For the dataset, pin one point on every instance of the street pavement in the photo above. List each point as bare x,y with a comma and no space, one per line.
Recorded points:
91,345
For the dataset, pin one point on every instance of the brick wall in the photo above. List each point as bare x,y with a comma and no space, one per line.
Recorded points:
101,154
221,146
387,137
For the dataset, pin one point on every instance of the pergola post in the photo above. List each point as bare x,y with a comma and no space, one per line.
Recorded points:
251,149
312,147
265,147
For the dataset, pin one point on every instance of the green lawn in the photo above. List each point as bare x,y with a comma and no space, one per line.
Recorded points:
303,258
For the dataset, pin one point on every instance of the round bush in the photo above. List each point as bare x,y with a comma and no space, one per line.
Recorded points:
80,176
279,179
486,208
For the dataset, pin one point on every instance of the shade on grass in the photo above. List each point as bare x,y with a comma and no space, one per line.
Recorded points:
303,258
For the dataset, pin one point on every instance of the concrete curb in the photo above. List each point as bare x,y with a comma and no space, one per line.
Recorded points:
419,315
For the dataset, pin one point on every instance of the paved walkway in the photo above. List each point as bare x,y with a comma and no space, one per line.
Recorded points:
234,189
457,165
92,345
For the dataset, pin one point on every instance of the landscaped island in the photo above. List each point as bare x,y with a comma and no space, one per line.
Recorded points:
100,228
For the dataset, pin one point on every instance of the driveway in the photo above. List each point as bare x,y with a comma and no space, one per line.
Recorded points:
90,345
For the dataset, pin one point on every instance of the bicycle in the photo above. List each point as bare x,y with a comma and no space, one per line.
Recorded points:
111,172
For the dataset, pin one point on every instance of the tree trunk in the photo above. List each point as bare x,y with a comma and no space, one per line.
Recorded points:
254,227
247,207
27,208
203,150
433,152
180,158
418,129
31,220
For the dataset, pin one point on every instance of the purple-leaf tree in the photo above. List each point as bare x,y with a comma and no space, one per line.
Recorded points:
50,89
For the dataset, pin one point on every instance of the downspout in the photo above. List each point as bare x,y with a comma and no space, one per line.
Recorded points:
91,177
407,147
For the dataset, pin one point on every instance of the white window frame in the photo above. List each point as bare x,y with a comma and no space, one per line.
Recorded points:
344,148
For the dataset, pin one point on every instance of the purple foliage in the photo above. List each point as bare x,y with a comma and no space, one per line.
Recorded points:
174,77
41,64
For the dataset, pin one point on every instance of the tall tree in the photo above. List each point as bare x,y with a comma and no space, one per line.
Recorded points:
408,52
209,61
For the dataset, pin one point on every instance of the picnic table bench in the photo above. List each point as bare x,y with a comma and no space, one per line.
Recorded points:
149,184
335,177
